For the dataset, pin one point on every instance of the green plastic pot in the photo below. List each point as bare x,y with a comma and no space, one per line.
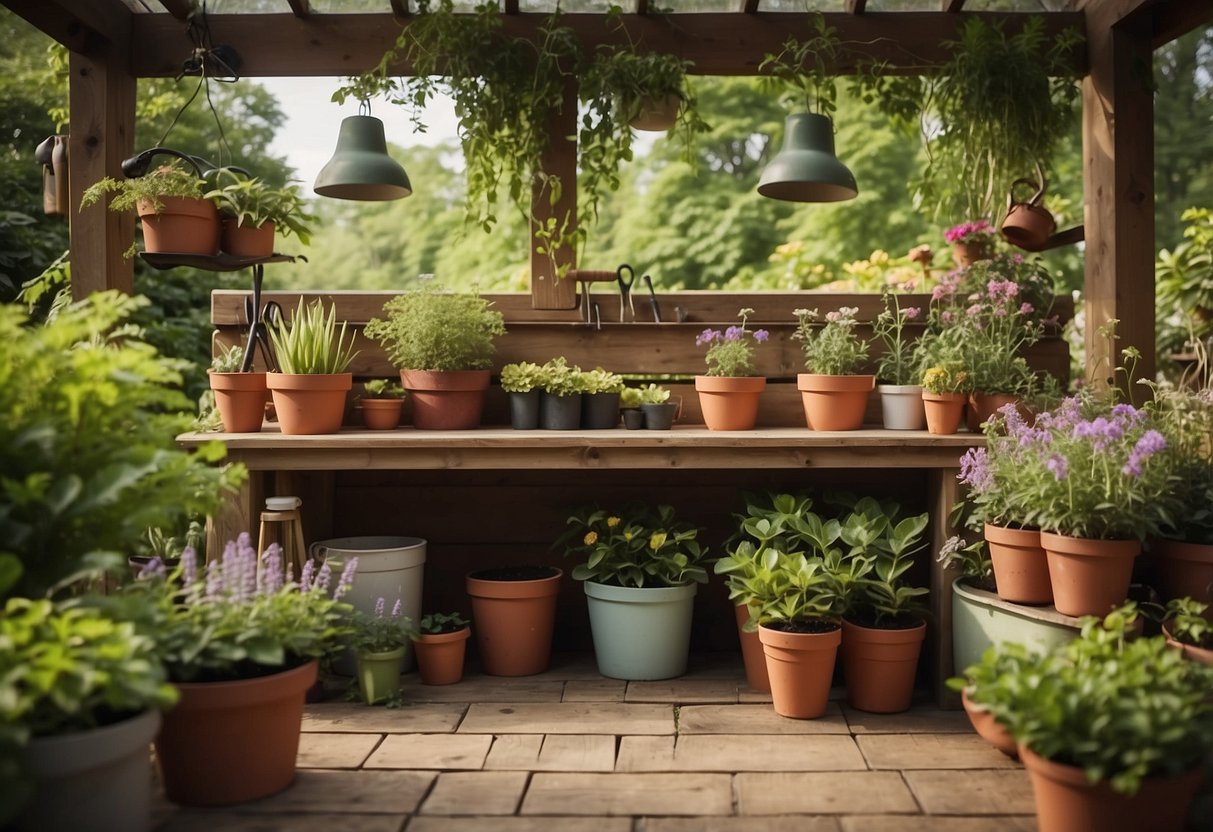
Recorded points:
379,674
641,634
981,619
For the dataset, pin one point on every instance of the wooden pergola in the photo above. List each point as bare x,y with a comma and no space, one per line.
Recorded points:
113,42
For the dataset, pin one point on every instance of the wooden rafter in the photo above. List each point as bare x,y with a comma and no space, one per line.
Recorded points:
180,9
511,6
1173,20
400,9
953,6
856,6
300,8
80,25
642,7
749,6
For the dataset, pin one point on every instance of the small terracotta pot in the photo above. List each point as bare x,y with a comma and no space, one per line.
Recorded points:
984,405
751,653
440,656
1184,570
966,254
309,404
240,399
446,400
834,402
381,414
944,412
185,226
730,402
879,666
514,621
1192,653
1089,577
1021,567
247,240
657,115
801,669
1067,802
987,727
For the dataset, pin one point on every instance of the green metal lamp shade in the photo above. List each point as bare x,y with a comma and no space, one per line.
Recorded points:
361,167
806,169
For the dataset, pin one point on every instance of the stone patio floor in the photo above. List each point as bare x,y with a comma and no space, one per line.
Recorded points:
572,751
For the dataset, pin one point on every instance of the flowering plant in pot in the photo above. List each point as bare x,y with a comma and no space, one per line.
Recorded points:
971,241
945,389
899,368
440,640
1113,730
378,641
253,211
172,205
314,358
640,571
523,381
443,344
239,397
729,392
381,402
835,396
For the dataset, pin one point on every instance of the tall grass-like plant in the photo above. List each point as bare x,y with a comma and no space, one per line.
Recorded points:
311,344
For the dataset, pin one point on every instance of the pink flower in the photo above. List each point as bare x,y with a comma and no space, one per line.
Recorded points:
832,316
912,313
974,310
1026,308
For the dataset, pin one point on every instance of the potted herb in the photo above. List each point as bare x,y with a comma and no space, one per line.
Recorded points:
560,399
641,570
971,241
240,397
835,397
171,202
440,641
443,344
381,403
898,371
252,210
655,405
522,381
314,358
729,392
1187,626
600,399
630,399
1010,659
378,641
945,390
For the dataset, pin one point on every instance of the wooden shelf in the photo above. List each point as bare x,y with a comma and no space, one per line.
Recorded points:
221,262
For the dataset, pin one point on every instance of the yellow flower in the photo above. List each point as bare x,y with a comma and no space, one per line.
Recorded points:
628,535
590,538
612,522
656,540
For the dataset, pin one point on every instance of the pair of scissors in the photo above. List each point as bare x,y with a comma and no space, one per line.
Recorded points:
625,291
260,321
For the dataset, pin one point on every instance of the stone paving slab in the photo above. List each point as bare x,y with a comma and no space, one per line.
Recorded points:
595,690
476,793
822,793
974,792
684,690
570,666
484,689
917,720
519,824
568,718
228,821
766,824
628,794
920,823
755,719
318,750
731,752
321,791
411,719
427,751
917,751
553,752
748,696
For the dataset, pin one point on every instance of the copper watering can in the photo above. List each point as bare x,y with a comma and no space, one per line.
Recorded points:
1028,225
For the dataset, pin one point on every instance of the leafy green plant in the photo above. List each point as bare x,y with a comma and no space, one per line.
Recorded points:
559,379
310,343
629,397
1186,622
380,631
731,351
522,377
429,329
803,69
653,394
382,388
880,551
792,592
1184,415
638,547
599,380
1184,277
229,361
439,622
252,202
900,363
948,377
833,349
170,180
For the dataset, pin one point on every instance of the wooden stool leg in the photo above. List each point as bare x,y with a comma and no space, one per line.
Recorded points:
300,547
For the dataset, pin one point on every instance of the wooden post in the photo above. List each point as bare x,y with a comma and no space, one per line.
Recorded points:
548,290
942,495
1118,166
102,101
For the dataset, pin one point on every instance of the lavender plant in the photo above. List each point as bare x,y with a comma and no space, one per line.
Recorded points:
380,632
833,349
731,351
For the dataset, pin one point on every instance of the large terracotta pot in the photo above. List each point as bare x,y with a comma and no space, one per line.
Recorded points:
879,666
1089,577
1021,567
966,254
834,402
1200,655
185,226
944,412
440,656
381,414
801,668
1183,570
309,404
1067,802
514,618
247,240
988,727
240,399
232,742
984,405
751,653
446,400
729,402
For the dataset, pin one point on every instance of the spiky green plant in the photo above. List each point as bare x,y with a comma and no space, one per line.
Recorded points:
310,342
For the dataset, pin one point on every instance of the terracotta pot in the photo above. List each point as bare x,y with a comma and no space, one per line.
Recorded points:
1192,653
446,400
966,254
944,412
381,414
1184,570
988,727
657,115
1021,567
232,742
185,226
730,402
514,619
1028,226
879,666
984,405
240,399
751,653
440,656
1089,577
1067,802
247,240
309,404
834,402
801,669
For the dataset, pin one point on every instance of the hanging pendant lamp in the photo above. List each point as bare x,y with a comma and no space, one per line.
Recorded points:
361,167
806,169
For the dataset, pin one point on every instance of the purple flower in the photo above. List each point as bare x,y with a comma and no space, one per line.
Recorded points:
733,333
305,580
347,578
975,470
911,313
1058,465
706,337
271,569
974,310
189,567
761,335
397,609
214,580
154,568
1026,308
380,604
946,317
324,576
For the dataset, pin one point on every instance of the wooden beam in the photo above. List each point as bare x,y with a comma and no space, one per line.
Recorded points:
511,6
300,8
747,6
855,6
400,10
953,6
549,290
1118,175
723,43
80,25
180,9
1176,18
102,101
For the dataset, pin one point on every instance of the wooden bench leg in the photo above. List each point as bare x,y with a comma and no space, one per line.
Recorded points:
942,496
239,513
